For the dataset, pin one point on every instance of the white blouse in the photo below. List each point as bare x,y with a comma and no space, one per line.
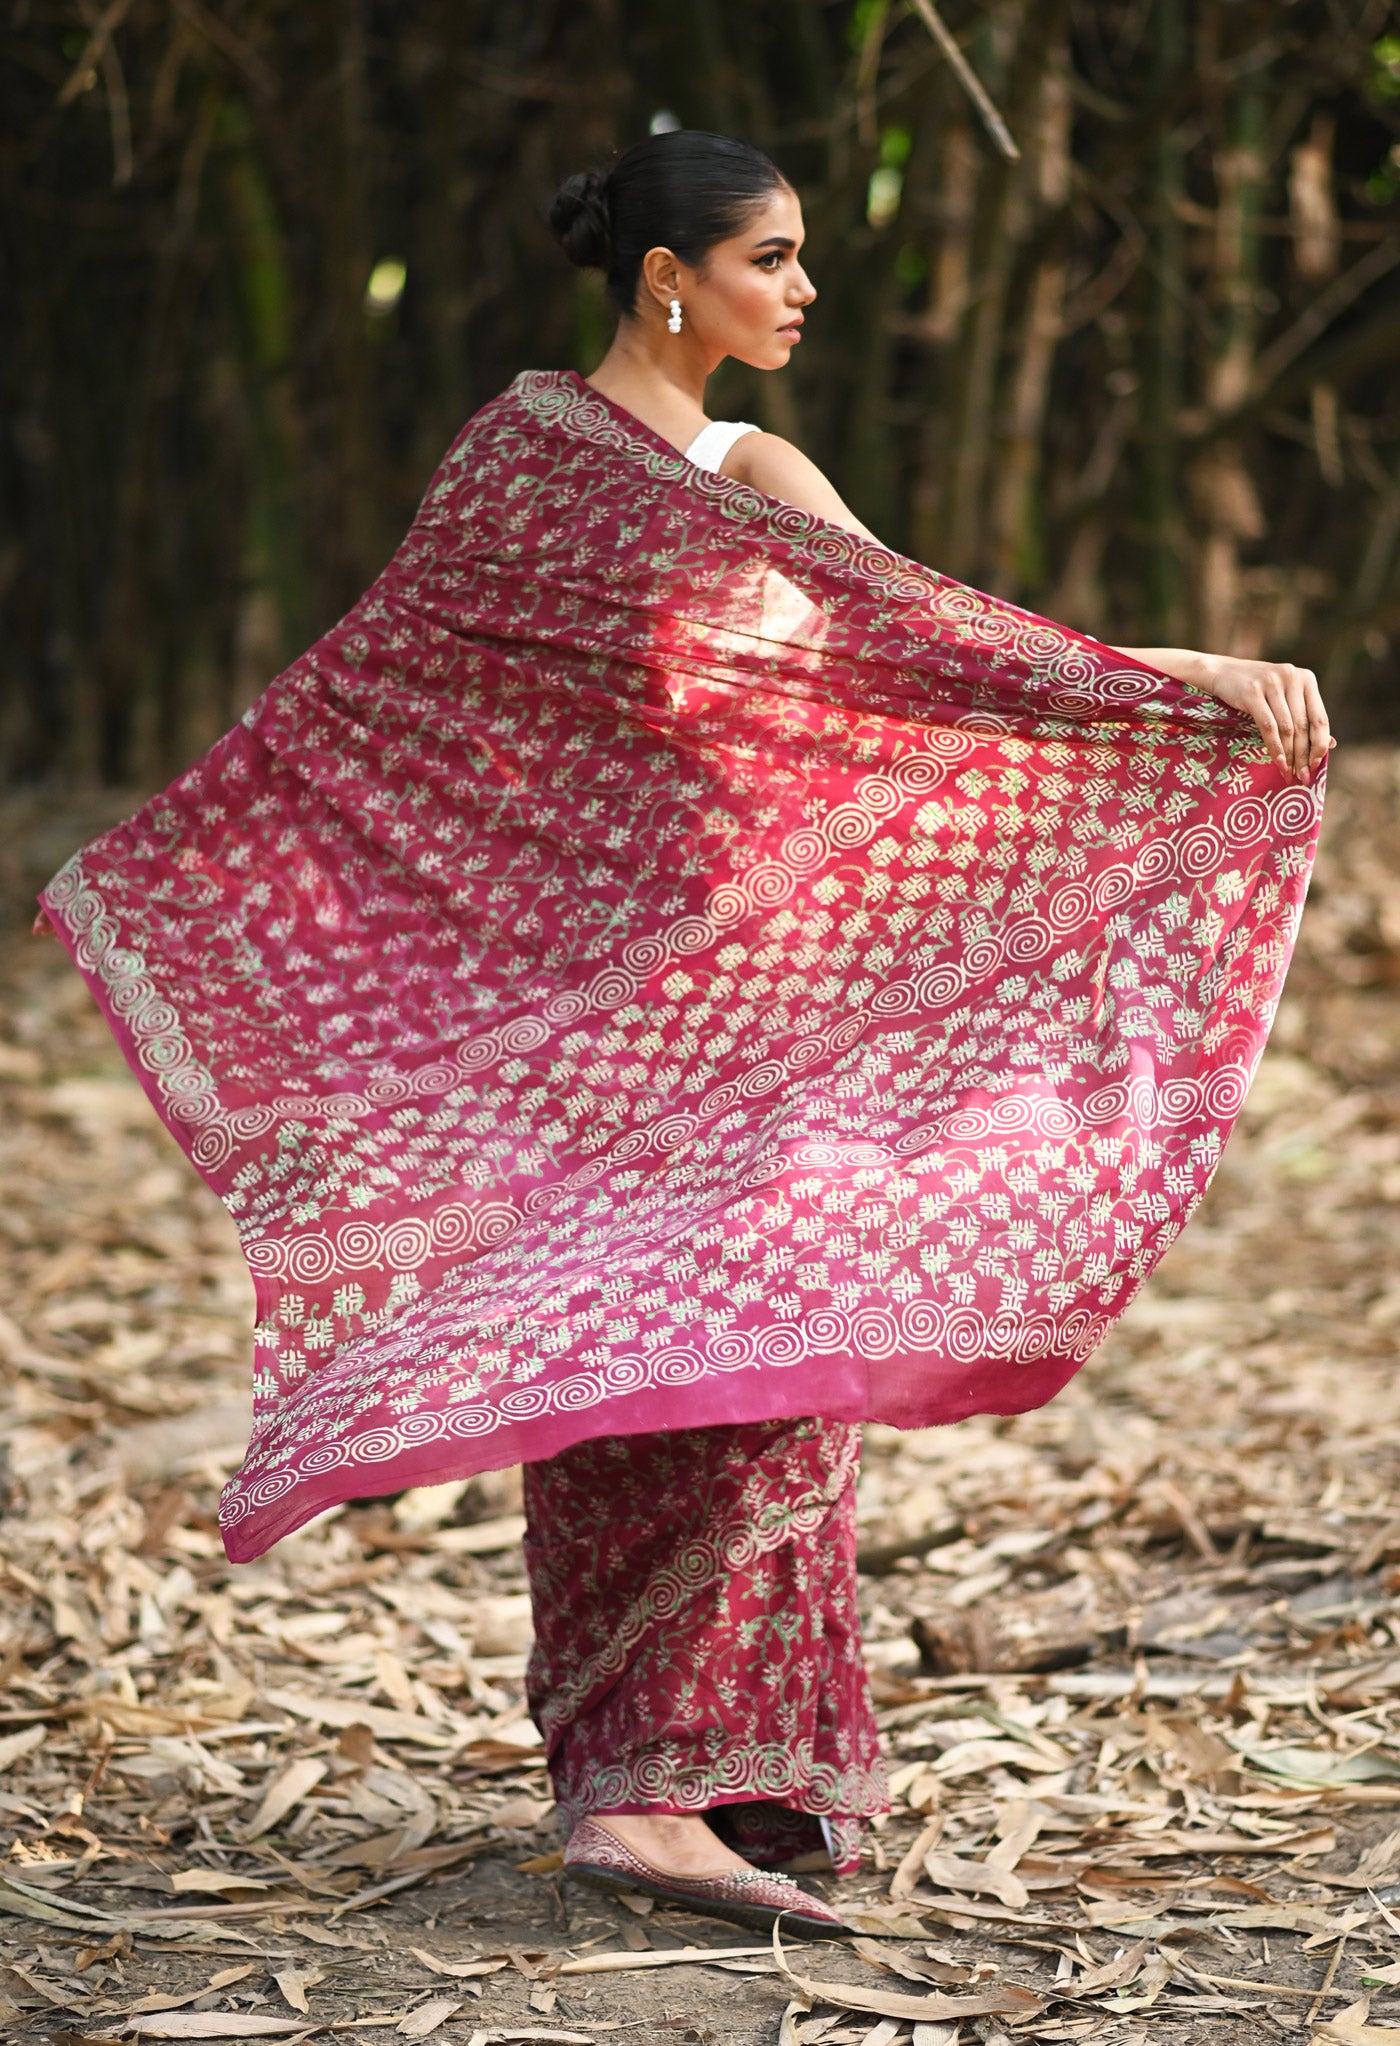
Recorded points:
714,440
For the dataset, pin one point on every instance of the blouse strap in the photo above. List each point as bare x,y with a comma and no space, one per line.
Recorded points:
715,439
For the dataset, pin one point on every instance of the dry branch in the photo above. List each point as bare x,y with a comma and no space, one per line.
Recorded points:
967,78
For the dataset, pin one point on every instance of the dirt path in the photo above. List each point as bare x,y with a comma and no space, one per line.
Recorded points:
1137,1656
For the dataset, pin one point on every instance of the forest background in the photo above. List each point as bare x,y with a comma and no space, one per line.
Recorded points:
260,261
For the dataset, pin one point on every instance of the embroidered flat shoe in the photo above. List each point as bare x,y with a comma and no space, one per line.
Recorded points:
752,1896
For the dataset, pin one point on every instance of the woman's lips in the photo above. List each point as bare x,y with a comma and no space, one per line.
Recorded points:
792,331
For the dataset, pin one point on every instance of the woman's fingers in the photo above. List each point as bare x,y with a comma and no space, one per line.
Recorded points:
1264,715
1311,736
1276,696
1320,738
1284,702
1298,713
1297,718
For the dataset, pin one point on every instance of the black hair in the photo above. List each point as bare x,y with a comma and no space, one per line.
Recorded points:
683,190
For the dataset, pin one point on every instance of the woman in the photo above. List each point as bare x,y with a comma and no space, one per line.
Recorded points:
666,979
701,238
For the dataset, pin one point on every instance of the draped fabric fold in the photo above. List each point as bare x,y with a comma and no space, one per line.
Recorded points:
663,960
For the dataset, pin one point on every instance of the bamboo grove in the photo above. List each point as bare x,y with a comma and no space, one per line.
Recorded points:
261,259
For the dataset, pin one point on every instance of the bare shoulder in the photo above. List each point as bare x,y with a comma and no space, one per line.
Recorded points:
775,466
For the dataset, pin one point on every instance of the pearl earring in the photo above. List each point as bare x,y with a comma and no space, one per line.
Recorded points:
674,318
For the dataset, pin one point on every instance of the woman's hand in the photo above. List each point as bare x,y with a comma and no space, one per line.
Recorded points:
1284,701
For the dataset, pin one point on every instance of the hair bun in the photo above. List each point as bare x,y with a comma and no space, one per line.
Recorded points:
579,220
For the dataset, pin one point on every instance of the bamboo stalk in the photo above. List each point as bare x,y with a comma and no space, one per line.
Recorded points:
1221,477
1163,353
999,228
967,78
274,565
1016,539
99,40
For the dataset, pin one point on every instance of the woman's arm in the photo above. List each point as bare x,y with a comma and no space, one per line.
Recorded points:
774,465
1284,701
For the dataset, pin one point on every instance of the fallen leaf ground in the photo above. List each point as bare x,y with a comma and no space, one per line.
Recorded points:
1137,1656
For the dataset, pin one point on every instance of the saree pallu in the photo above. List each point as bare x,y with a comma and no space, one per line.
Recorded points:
664,960
697,1645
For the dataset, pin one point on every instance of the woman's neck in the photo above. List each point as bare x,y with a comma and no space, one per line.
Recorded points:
660,377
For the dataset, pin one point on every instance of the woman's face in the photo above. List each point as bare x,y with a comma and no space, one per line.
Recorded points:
746,298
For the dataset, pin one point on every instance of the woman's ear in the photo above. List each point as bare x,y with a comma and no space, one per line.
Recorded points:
661,275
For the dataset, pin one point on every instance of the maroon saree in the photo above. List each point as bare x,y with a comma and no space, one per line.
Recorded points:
697,1645
663,961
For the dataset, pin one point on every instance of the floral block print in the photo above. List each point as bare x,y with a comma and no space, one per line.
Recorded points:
697,1645
665,960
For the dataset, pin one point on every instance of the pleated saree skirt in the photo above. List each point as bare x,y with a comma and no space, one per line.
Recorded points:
697,1642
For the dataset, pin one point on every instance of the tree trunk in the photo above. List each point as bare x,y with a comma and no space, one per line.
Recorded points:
996,235
1018,545
1224,489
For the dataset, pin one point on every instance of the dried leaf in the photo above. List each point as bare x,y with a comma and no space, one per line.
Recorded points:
20,1902
294,1983
1308,1841
14,1745
355,1743
384,1725
1379,1860
518,1814
1386,1539
120,1716
886,2003
531,2032
953,1873
424,1508
1321,1765
159,1450
1352,2027
426,2019
287,1789
1018,1825
669,1957
461,1970
887,1921
157,2000
212,2024
213,1881
499,1757
1113,1973
483,1538
907,1965
21,1979
975,1757
788,2033
905,1879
